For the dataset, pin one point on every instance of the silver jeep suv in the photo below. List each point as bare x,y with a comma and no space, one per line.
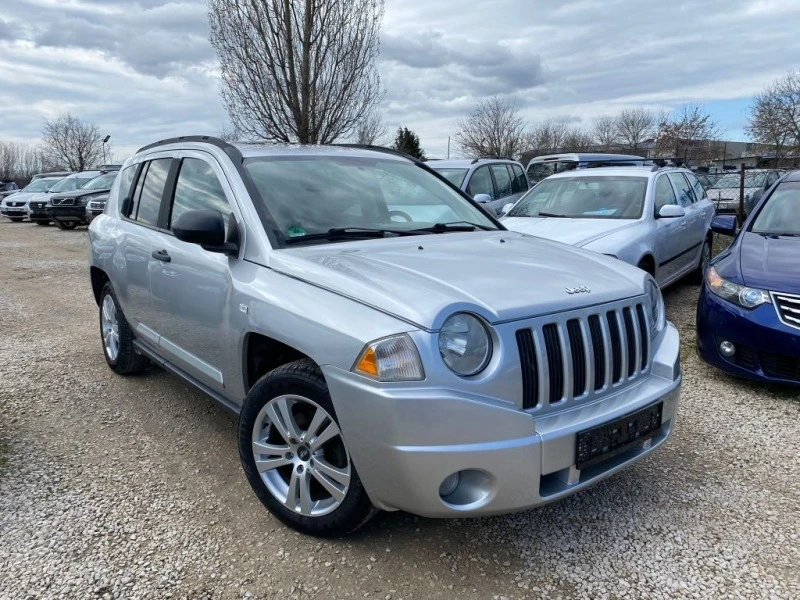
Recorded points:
385,342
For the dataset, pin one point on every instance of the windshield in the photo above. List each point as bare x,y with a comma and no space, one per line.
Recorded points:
40,185
780,214
454,176
540,170
313,194
733,180
103,182
603,197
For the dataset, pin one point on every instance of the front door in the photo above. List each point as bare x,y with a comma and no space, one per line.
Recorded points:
191,287
669,233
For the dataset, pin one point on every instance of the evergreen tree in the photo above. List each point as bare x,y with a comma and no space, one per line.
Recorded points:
407,141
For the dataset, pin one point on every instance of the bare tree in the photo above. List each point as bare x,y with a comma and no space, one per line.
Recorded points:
494,128
577,140
9,159
604,130
371,130
297,70
634,126
68,142
774,115
546,137
689,133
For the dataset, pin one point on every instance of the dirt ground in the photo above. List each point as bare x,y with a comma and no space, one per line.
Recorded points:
115,487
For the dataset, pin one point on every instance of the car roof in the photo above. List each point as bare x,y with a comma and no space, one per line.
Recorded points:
792,176
466,163
581,156
250,150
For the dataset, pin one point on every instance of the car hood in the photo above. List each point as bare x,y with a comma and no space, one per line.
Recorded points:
770,263
728,193
21,197
576,232
78,193
500,275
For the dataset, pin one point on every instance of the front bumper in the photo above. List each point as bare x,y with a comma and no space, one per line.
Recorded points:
67,213
766,349
406,439
14,211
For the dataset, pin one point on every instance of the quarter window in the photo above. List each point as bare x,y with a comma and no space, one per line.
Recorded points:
481,183
502,180
149,202
198,188
520,182
685,194
699,190
664,193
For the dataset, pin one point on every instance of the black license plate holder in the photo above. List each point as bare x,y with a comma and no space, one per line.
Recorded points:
605,441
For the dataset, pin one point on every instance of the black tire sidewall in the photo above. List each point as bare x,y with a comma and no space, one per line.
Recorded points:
301,378
128,361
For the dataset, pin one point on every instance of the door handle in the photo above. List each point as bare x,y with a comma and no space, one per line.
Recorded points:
161,255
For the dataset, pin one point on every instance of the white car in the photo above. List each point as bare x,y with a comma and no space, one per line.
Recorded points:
15,206
658,219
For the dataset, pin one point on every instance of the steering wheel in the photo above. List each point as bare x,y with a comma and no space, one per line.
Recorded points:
400,213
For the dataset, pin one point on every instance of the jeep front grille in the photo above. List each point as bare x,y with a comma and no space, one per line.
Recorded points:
575,357
788,307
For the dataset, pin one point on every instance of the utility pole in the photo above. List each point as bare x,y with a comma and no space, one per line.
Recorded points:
448,147
741,195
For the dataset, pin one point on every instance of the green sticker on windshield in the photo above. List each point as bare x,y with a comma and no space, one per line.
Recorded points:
296,232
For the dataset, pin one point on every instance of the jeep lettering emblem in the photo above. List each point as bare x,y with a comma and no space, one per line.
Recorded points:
578,290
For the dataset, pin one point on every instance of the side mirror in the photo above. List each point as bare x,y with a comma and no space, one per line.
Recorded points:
671,211
482,198
724,224
508,207
206,228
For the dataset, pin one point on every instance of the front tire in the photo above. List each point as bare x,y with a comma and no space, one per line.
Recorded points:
16,219
42,223
294,456
65,225
117,336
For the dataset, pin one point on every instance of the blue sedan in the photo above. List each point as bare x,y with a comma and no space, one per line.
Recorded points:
748,315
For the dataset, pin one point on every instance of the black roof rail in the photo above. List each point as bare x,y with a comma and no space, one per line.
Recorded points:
474,160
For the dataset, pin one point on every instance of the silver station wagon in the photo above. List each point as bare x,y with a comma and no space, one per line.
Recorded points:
385,342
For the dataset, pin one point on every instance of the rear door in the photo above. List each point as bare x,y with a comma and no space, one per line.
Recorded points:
191,287
668,246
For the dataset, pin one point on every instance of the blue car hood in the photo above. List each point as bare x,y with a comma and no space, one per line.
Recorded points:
770,263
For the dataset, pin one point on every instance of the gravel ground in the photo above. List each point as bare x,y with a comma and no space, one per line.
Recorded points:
117,487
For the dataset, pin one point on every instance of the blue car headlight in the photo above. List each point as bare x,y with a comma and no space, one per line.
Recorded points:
741,295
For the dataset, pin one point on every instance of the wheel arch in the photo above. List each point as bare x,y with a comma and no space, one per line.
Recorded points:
262,353
649,263
99,278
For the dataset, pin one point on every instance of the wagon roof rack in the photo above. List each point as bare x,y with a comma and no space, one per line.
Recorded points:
480,158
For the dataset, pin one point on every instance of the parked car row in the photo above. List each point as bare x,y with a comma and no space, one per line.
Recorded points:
66,199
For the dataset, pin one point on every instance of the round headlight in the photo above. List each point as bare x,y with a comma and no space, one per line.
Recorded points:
465,344
658,314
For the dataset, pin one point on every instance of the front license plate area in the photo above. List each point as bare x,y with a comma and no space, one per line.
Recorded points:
600,443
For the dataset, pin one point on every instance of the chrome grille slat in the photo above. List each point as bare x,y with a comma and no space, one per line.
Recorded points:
787,306
583,355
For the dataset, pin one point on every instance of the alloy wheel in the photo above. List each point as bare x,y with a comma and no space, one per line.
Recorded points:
300,455
110,328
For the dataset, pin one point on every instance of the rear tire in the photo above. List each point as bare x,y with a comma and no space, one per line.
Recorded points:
284,413
117,336
65,225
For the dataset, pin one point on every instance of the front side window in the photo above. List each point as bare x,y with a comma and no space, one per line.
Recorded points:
126,181
609,197
149,202
502,180
314,194
685,194
664,194
198,188
454,176
481,183
780,215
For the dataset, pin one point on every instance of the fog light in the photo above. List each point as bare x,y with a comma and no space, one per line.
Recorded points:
727,349
449,485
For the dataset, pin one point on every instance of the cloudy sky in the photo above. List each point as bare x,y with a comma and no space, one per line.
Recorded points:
143,70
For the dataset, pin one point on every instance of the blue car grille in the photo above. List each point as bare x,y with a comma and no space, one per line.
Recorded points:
581,356
788,307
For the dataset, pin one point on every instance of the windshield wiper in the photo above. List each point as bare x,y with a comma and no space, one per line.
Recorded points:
453,226
547,214
338,233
